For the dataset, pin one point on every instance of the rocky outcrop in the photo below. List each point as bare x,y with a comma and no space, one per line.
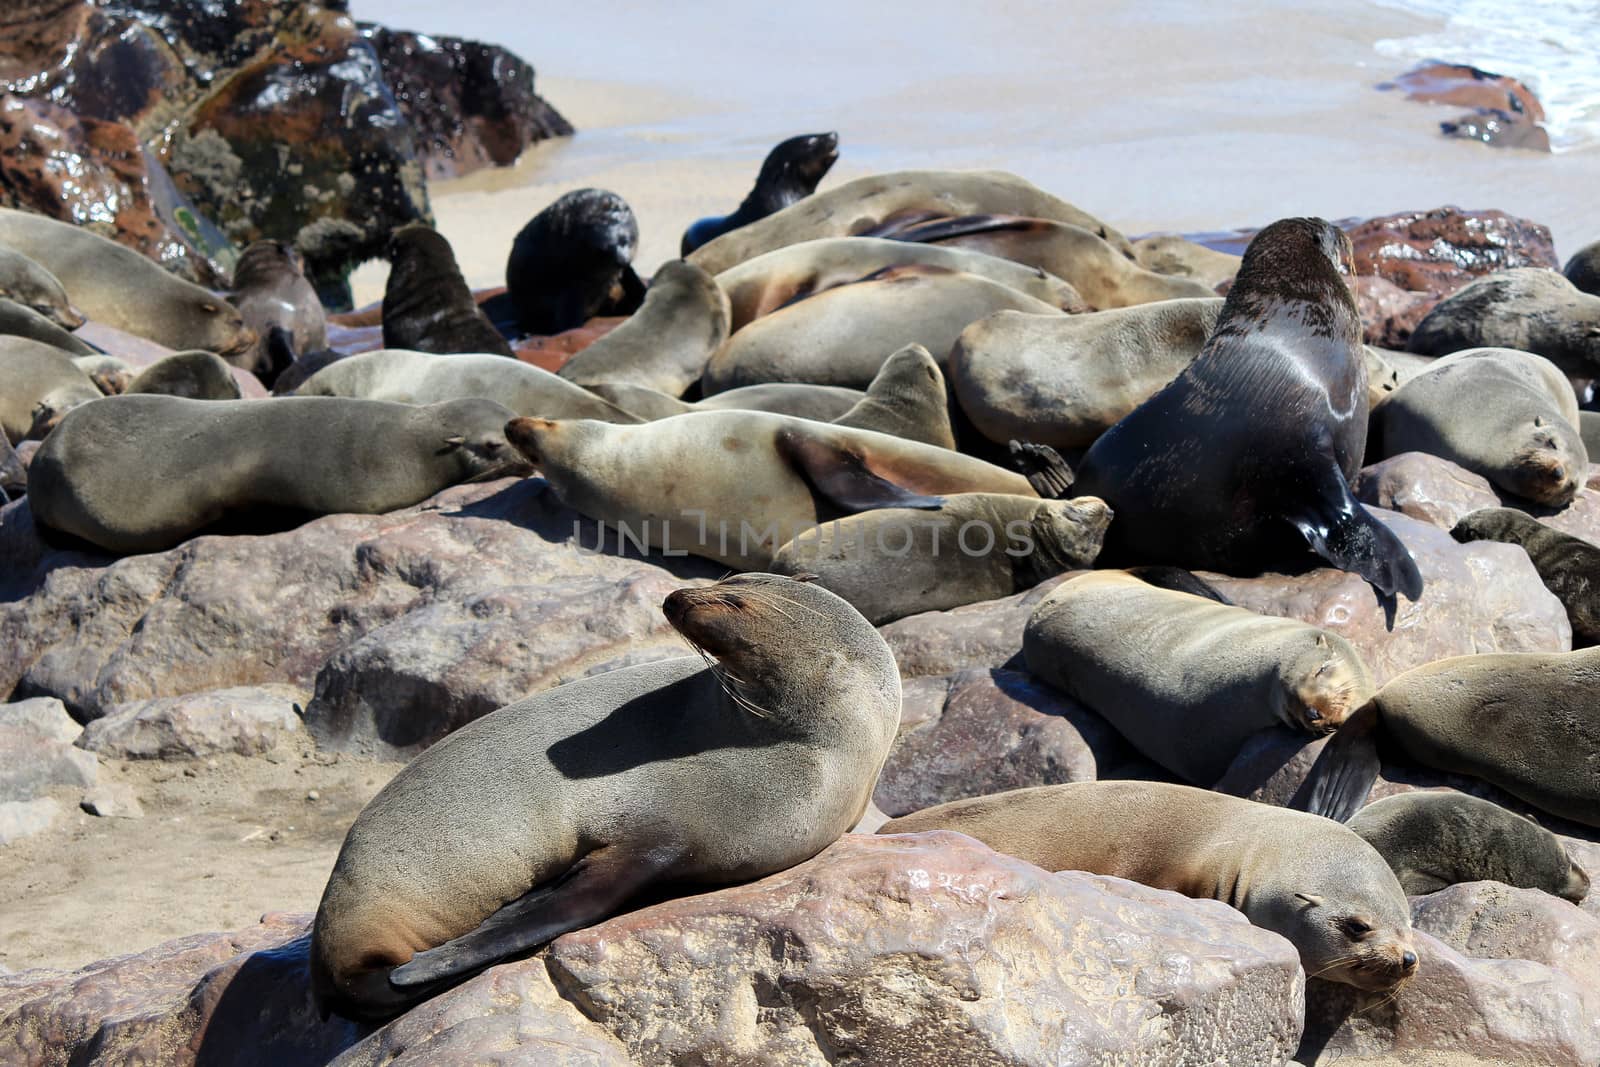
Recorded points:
1436,491
1503,111
246,721
36,757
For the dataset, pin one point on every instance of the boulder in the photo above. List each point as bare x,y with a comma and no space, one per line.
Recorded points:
113,800
1389,314
24,818
246,721
1494,100
984,635
36,754
1437,491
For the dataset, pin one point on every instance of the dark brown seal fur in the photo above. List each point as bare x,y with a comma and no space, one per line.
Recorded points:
427,306
1568,566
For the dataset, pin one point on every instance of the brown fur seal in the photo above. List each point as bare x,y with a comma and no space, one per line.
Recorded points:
571,262
1529,308
270,291
123,289
1104,276
1568,566
195,375
39,384
733,486
19,321
1583,269
427,306
766,283
112,376
893,562
144,473
1243,463
907,399
422,378
25,282
820,403
866,203
552,813
1433,840
666,343
790,173
843,335
1185,679
1181,258
1509,416
1301,876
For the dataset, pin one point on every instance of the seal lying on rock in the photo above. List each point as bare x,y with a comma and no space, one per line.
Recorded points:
1302,876
144,473
790,172
19,321
427,306
1568,566
1185,679
1433,840
39,384
552,813
1527,308
196,375
25,282
571,262
1243,463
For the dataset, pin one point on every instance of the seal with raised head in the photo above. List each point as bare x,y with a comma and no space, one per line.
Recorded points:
1568,566
666,344
893,562
733,486
39,384
144,473
1302,876
1432,840
1527,308
552,813
195,375
119,287
1507,415
1187,679
572,261
427,306
270,291
790,172
1243,463
27,283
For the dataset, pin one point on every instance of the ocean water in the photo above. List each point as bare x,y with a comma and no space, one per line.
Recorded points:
1552,46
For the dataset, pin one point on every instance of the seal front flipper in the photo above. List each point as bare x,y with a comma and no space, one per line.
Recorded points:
1345,769
1044,468
589,891
843,478
1341,531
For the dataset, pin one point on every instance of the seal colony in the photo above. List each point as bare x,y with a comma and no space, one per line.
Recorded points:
855,396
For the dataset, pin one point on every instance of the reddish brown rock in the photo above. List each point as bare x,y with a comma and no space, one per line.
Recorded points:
1504,112
37,35
1389,314
982,635
1437,491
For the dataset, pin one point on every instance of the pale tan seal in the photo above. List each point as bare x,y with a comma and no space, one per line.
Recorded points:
865,203
893,562
907,398
1510,416
842,336
19,321
762,285
39,384
121,288
144,473
404,377
1185,679
1182,258
27,283
666,343
820,403
550,814
1432,840
733,486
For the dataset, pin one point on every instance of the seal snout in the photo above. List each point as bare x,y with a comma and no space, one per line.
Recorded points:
524,433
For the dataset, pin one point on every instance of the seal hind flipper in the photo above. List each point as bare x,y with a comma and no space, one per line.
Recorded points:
1345,769
1044,468
842,476
587,892
1341,531
1178,580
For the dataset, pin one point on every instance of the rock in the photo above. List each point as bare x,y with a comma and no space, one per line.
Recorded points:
1457,1010
113,800
1505,101
1502,129
984,635
246,721
1437,491
986,731
1586,853
1491,920
1389,314
484,562
470,105
1477,598
23,818
45,716
35,756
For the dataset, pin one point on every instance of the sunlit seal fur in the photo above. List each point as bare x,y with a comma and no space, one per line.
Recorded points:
270,290
1529,308
1182,258
39,384
196,375
27,283
571,262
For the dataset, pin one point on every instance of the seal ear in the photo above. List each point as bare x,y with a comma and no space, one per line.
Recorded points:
1538,420
1311,899
843,478
454,442
805,577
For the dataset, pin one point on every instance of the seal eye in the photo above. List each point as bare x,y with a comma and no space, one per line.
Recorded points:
1356,928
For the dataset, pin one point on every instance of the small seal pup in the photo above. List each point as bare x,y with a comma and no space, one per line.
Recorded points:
422,378
790,172
1507,415
39,384
270,290
1302,876
842,336
571,262
1437,839
123,289
196,375
866,204
1568,566
893,562
733,486
552,813
1527,308
25,282
144,473
1583,269
666,344
1243,463
1185,679
768,282
427,306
